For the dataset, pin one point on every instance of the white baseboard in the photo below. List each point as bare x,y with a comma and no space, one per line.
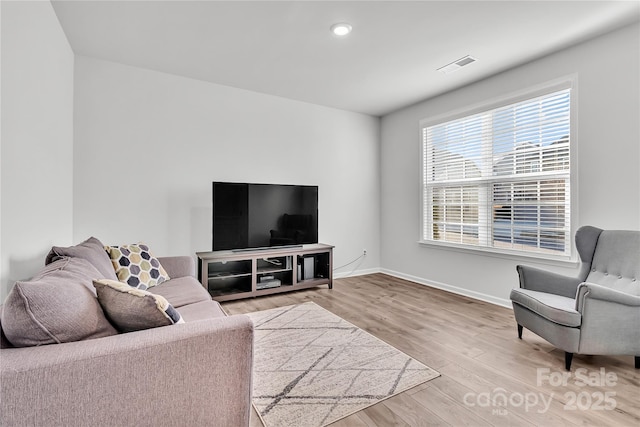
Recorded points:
431,283
356,273
453,289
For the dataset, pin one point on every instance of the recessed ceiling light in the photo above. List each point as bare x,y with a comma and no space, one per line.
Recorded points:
341,29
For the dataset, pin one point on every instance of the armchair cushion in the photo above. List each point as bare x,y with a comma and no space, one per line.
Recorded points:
555,308
616,261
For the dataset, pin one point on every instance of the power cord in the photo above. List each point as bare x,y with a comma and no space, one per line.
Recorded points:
349,263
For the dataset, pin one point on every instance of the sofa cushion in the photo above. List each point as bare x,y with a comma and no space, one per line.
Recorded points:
136,266
56,306
182,291
132,309
556,308
201,310
76,269
91,250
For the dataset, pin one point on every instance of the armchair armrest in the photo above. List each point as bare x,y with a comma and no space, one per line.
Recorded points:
599,292
610,320
178,266
540,280
186,374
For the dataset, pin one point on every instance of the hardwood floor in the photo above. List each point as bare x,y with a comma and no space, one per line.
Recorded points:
482,363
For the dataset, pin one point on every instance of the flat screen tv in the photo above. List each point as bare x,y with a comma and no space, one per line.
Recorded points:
250,216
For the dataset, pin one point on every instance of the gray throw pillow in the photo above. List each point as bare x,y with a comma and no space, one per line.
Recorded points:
75,269
54,307
91,250
131,309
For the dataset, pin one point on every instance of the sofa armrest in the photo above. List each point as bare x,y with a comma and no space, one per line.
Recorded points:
178,266
536,279
187,374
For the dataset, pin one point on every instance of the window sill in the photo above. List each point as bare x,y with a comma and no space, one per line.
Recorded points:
558,260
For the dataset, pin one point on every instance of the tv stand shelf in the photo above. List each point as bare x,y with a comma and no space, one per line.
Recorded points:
230,275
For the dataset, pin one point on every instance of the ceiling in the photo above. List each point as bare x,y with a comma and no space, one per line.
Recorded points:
285,48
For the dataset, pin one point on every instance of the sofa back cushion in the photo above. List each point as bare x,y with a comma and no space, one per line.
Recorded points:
91,250
182,291
616,261
55,306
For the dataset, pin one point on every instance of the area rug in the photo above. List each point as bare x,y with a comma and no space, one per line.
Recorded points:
312,368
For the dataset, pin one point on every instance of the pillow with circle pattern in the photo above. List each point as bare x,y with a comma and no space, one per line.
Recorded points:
131,309
136,266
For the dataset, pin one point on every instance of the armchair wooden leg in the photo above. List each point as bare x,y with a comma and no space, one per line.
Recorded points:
637,362
520,336
567,360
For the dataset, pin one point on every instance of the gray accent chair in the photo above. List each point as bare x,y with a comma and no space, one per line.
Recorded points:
595,313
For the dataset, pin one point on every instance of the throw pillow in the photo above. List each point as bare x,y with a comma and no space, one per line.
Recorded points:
76,269
132,309
136,266
92,250
54,307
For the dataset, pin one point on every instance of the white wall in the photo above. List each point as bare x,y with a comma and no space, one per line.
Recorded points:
148,146
608,145
37,139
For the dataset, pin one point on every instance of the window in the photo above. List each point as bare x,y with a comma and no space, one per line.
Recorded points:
499,179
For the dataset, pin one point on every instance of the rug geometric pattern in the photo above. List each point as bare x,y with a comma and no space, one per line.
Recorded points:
312,368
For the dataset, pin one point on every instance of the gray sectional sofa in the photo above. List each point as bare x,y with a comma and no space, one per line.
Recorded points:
195,373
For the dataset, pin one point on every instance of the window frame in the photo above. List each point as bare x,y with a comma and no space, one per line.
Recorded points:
567,82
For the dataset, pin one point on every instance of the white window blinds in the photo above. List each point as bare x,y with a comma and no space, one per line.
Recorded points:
501,178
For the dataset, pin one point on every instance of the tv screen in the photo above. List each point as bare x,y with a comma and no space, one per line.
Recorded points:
247,216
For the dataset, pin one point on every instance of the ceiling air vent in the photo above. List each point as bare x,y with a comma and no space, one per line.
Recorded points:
457,64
